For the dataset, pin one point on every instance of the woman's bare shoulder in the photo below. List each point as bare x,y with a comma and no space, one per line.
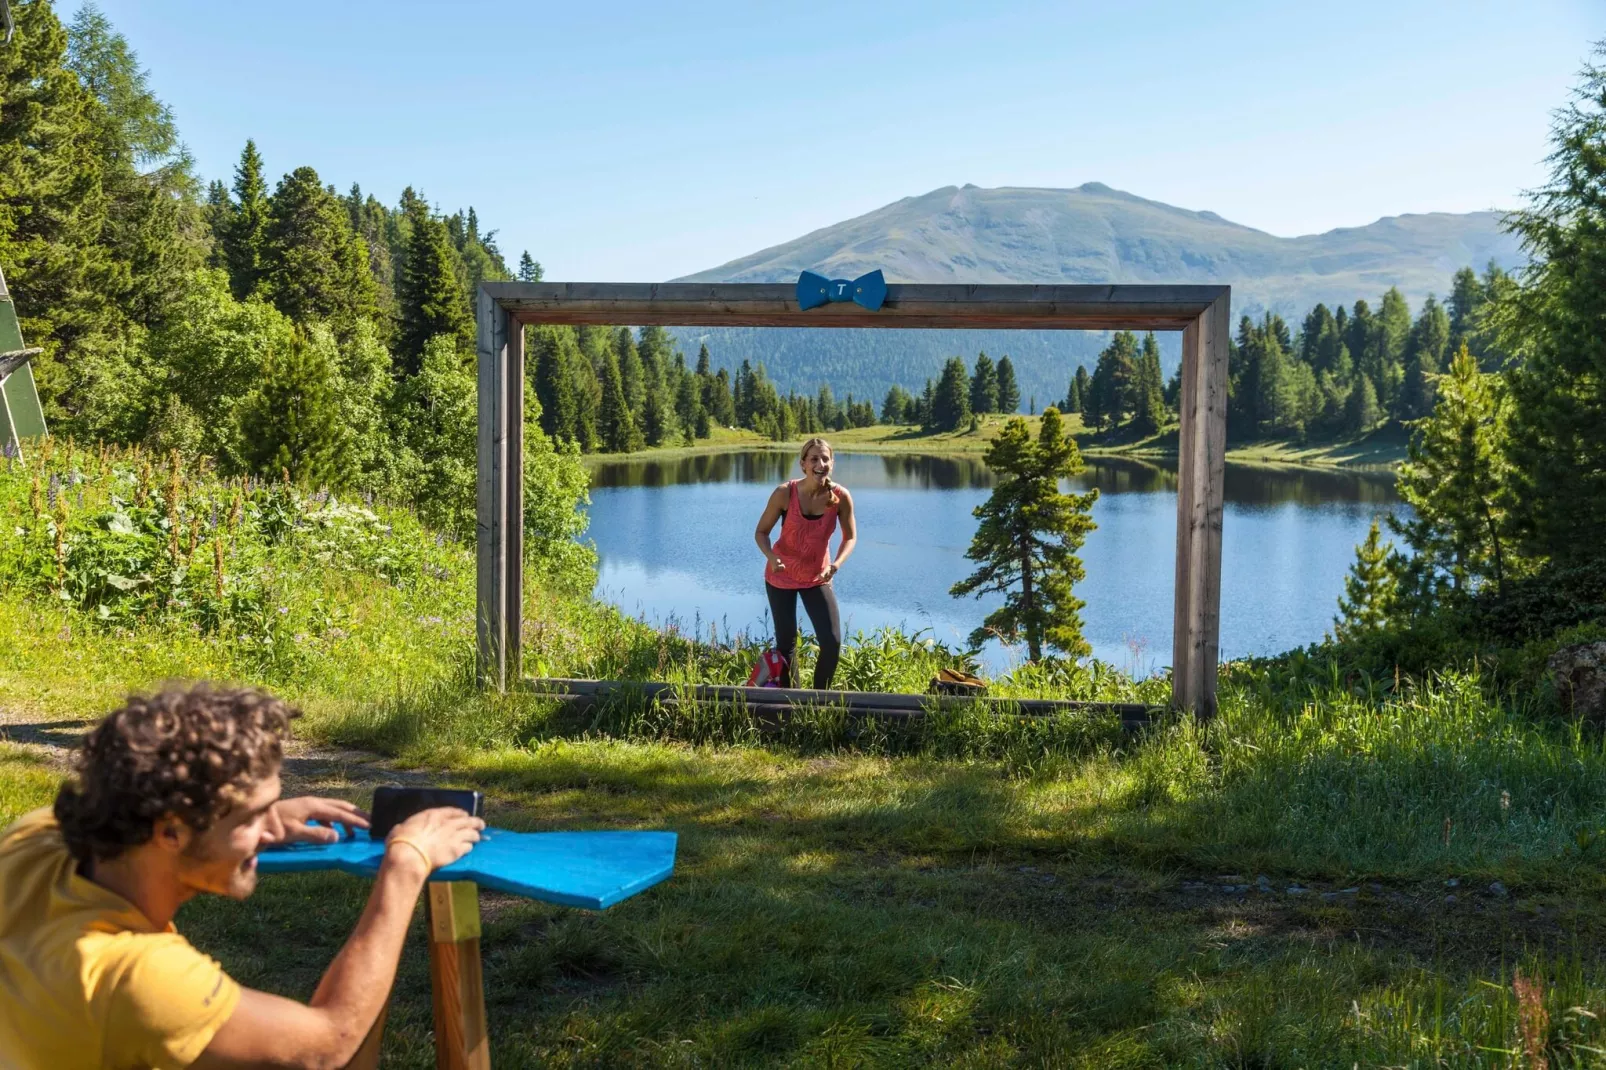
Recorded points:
843,492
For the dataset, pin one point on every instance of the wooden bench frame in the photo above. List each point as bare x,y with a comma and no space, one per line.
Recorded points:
1201,313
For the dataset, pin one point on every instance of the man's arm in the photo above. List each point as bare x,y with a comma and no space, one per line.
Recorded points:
271,1031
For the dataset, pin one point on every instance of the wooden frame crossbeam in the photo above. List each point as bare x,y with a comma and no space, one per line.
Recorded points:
1201,313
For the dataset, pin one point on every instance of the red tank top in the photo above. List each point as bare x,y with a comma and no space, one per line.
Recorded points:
804,546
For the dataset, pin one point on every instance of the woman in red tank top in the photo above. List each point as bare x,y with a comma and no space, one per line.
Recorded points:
799,565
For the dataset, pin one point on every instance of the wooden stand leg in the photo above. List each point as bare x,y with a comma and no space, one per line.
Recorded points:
367,1057
456,980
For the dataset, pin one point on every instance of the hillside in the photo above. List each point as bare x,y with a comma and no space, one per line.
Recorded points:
1089,234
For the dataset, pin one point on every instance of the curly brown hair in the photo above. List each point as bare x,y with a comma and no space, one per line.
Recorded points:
191,752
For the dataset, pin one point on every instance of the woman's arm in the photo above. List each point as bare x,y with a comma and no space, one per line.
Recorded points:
766,524
850,530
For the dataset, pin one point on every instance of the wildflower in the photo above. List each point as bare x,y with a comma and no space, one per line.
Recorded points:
283,610
337,633
1505,800
52,490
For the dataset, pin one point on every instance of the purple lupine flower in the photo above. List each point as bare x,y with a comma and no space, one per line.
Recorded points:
53,489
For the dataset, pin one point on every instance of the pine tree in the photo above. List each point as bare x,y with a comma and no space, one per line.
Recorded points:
1370,589
1027,540
432,299
1076,397
1467,301
294,423
615,421
313,266
984,386
950,407
245,236
529,268
1455,482
1008,388
632,375
1558,419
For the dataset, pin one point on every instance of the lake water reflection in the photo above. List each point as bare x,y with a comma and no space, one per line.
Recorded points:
675,539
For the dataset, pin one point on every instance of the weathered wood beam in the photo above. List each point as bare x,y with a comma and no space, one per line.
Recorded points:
498,520
910,305
1201,472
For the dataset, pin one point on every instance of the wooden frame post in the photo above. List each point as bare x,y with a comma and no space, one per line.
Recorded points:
1201,313
457,982
1201,471
499,524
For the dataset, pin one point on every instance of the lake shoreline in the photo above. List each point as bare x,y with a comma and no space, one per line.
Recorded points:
1380,451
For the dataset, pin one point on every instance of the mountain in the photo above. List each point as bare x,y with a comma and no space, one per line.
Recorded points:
1089,234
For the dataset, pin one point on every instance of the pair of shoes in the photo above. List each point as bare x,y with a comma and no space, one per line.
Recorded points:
956,682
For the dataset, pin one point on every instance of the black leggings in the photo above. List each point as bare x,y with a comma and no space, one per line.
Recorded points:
820,602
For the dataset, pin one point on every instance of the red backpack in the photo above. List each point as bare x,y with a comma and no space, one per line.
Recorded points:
770,670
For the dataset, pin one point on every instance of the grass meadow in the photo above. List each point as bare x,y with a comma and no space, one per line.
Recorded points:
1336,871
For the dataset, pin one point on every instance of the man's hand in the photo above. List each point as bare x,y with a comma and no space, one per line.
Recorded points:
290,820
443,834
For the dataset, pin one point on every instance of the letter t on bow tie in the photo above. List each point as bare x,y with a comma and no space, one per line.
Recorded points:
814,290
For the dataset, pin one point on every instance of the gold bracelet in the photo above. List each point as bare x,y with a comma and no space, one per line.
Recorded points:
429,864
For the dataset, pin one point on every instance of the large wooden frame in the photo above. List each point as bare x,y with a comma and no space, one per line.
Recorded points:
1201,313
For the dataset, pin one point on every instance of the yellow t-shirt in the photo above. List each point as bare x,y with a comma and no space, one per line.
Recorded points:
85,980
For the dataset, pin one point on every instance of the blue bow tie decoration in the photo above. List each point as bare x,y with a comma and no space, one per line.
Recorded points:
867,291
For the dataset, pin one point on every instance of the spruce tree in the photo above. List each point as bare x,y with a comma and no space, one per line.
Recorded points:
984,386
1008,388
1455,482
1558,319
245,236
615,421
529,268
632,375
1370,589
1149,408
432,299
550,354
950,406
1361,411
1027,540
293,423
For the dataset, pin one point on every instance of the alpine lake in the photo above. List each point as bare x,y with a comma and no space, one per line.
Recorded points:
675,538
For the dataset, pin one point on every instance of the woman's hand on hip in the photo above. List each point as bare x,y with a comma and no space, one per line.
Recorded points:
828,574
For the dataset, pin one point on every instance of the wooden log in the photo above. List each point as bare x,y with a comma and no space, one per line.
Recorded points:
496,584
999,307
457,981
1201,473
890,705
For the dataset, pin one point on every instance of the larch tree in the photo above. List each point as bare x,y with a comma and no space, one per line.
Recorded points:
1027,540
1555,324
1455,481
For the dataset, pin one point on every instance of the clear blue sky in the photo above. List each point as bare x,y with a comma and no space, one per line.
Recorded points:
640,141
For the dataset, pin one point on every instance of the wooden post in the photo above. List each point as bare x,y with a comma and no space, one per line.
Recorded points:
1201,470
499,523
456,981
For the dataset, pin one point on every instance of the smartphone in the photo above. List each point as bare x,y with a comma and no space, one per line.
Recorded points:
393,805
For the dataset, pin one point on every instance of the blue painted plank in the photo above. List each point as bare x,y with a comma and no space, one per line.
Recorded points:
592,870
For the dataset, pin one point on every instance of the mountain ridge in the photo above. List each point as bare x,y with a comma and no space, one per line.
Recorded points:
1091,233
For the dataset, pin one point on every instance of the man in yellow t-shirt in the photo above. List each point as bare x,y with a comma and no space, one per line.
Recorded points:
175,793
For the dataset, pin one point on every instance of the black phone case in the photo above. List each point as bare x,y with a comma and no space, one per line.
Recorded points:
393,805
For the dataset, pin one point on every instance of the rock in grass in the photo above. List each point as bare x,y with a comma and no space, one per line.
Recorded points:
1497,889
1579,673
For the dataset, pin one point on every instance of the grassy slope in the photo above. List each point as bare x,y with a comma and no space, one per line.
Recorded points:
981,896
1382,448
